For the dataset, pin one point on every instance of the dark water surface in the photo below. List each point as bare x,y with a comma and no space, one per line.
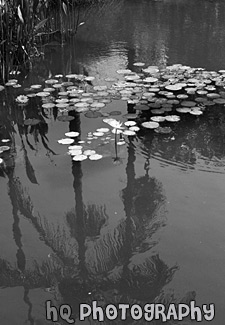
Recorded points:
147,226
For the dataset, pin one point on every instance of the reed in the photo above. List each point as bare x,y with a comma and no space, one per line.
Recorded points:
26,24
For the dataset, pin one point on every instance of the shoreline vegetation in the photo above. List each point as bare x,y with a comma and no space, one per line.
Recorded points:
26,25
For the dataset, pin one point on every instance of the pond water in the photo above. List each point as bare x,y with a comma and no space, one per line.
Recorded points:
144,224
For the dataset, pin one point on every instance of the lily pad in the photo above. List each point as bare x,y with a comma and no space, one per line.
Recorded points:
175,87
75,147
79,157
95,157
124,71
219,101
183,109
98,134
72,134
129,132
4,148
89,152
141,108
158,118
75,152
32,121
150,125
130,123
93,114
172,118
134,128
139,64
114,113
48,105
65,141
163,130
104,130
65,118
196,112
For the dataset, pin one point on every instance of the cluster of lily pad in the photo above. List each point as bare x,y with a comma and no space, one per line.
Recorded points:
80,150
155,97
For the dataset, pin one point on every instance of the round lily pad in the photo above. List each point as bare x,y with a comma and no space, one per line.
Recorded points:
141,107
172,118
72,134
32,121
129,132
114,113
4,148
65,141
175,87
219,100
93,114
163,130
150,125
130,123
183,110
196,112
79,157
65,118
187,103
95,156
158,118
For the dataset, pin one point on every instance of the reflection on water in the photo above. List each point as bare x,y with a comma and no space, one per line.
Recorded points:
146,229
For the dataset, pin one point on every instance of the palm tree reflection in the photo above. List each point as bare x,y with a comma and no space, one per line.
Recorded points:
88,264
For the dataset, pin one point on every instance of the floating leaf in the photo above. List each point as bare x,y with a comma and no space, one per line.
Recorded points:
134,128
114,113
196,112
75,147
158,118
97,104
187,103
130,116
4,148
65,118
219,100
65,141
130,123
32,121
95,157
80,157
72,134
163,130
98,134
89,152
141,107
129,132
150,125
43,94
139,64
103,130
124,71
172,118
48,105
75,152
35,86
183,109
93,114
